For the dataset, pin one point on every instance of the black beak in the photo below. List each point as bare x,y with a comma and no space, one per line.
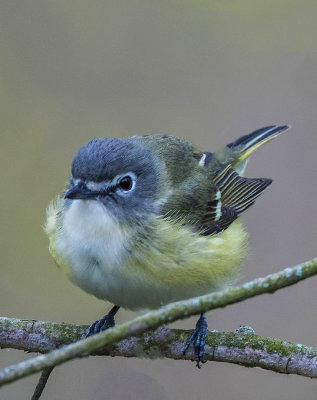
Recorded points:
80,192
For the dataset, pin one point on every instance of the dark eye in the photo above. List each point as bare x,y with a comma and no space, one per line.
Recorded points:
125,183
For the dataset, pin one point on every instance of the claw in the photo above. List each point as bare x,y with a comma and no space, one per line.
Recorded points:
104,323
198,337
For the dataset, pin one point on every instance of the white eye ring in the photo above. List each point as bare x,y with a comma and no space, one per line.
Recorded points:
125,182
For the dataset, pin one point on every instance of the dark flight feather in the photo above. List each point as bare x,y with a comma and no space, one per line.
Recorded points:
235,194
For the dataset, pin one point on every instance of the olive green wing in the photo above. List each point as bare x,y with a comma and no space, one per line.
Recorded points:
234,195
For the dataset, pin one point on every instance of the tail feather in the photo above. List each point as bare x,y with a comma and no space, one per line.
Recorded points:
248,143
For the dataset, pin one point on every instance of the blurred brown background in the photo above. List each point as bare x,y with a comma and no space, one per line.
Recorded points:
207,71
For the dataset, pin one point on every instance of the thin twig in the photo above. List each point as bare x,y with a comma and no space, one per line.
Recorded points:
42,382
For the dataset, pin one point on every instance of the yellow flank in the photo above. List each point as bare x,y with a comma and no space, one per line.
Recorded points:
181,264
50,228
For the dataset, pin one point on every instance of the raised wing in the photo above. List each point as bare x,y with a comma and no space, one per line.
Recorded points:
235,194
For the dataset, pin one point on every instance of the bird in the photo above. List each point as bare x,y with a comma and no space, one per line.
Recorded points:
149,220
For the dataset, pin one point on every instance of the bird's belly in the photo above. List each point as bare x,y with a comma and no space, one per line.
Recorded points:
172,265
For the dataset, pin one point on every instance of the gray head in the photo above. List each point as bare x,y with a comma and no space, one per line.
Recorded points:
120,173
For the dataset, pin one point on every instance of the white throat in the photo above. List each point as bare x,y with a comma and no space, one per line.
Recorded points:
91,242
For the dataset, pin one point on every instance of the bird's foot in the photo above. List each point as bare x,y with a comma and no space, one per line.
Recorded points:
198,337
104,323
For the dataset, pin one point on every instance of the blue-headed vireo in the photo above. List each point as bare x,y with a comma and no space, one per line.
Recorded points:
149,220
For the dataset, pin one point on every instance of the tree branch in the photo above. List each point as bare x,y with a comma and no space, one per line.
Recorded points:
288,361
242,347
